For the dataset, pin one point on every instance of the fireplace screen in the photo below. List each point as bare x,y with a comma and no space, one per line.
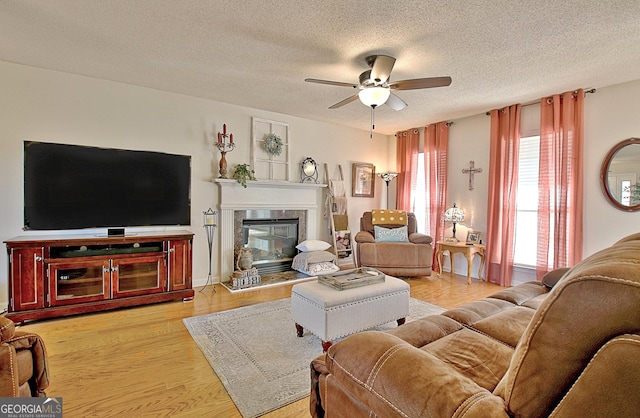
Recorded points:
272,243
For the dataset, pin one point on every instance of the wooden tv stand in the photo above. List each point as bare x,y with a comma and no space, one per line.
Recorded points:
51,276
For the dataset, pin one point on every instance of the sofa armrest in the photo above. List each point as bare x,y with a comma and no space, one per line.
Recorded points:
418,238
8,371
32,342
364,237
7,328
415,238
612,377
393,378
550,279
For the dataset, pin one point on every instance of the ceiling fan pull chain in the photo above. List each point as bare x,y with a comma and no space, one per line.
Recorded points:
372,125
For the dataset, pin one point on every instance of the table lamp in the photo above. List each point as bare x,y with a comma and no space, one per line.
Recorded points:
455,215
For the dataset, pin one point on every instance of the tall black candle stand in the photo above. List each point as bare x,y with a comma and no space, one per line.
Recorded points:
210,227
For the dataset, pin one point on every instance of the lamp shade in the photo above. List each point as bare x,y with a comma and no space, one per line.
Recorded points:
374,96
454,214
388,176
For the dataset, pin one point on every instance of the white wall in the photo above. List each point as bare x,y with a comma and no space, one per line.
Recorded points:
611,115
51,106
468,141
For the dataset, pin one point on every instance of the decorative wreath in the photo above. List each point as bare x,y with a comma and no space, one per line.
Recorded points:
273,144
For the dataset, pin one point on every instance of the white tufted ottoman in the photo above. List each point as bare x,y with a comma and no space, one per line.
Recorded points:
330,313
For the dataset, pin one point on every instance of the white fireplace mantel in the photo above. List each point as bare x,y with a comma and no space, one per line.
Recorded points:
268,195
273,195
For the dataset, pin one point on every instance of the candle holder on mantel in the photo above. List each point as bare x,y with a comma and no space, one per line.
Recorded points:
224,147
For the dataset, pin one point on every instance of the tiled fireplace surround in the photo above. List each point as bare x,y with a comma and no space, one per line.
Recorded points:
264,198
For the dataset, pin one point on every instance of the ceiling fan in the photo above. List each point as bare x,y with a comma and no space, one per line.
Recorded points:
375,86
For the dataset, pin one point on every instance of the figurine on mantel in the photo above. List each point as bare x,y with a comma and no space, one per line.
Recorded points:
224,147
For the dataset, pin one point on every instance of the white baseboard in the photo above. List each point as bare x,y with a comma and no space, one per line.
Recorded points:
202,281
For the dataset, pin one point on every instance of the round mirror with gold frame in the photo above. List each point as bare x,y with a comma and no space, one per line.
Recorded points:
620,175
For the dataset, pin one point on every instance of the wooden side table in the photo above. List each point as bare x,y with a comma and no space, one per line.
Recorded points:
467,250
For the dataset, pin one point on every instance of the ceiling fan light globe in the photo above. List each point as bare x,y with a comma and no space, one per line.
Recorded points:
374,96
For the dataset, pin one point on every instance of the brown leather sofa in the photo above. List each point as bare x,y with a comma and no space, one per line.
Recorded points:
411,258
23,363
572,351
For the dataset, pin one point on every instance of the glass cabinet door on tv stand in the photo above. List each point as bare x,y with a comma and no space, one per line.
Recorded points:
78,281
138,276
89,281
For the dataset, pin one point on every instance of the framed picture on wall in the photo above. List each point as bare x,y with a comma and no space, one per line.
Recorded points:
363,180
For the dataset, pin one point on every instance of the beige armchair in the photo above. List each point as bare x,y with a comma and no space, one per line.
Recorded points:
411,258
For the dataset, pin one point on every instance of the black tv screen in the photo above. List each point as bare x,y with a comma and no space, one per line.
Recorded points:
73,187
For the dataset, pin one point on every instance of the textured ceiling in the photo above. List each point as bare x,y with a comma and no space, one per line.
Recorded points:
258,53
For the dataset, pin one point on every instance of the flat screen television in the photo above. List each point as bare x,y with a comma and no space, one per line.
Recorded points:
74,187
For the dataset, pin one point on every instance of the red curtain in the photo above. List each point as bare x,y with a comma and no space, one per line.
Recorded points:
503,182
407,143
436,144
560,201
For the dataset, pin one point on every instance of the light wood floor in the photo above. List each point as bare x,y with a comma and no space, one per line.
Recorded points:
142,361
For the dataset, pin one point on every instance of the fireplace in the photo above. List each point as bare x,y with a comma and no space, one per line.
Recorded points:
272,242
263,200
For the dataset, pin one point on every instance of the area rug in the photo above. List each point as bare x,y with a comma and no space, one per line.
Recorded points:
257,355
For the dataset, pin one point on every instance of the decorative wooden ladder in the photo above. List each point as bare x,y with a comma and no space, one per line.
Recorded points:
341,236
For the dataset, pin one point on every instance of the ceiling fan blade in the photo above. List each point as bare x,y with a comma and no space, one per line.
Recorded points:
344,102
420,83
395,102
331,83
382,67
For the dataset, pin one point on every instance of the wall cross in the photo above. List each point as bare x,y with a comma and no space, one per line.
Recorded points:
471,171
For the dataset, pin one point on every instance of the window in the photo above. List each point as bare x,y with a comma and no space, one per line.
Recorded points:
270,165
526,236
419,193
625,186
